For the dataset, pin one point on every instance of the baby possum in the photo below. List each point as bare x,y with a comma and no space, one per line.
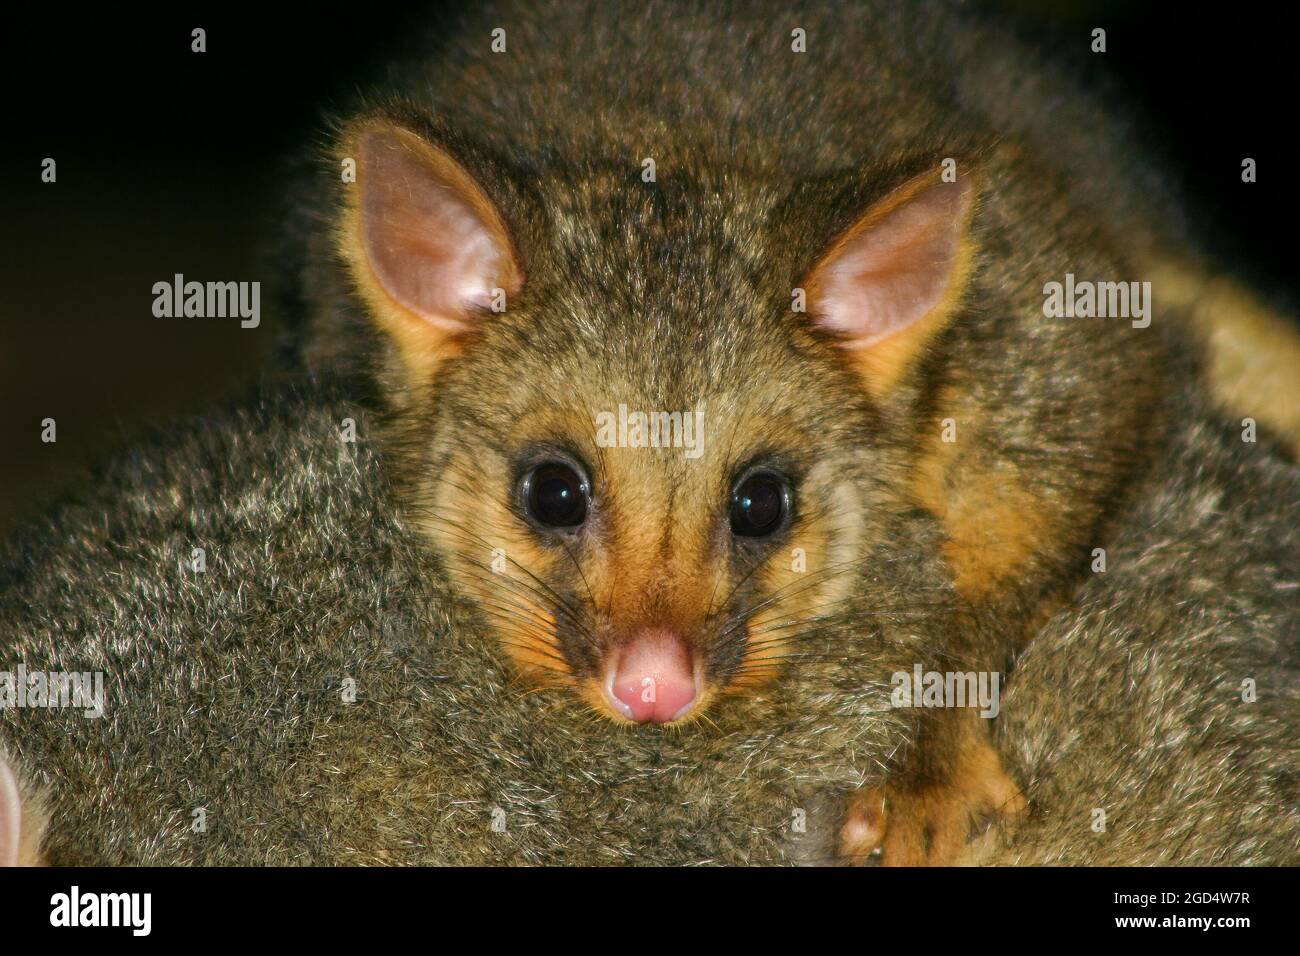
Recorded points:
834,255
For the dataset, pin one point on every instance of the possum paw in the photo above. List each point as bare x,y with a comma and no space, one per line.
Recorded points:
930,824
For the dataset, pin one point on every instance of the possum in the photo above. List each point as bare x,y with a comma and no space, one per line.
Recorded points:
316,694
824,236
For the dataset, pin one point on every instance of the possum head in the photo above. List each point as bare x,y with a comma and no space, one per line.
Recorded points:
655,478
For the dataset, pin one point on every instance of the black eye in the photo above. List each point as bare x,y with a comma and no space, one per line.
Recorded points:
555,495
759,505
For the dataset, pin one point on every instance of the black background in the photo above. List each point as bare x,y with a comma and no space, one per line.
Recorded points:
909,910
170,161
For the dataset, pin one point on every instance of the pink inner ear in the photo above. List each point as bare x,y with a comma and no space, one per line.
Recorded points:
11,817
426,243
894,269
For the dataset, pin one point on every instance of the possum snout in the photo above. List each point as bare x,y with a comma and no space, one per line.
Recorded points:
653,678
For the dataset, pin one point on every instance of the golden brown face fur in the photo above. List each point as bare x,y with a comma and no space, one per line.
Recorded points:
656,549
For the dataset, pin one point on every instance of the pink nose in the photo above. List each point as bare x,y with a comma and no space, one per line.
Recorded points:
652,678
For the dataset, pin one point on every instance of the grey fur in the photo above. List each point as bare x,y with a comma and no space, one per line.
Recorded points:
225,687
1131,699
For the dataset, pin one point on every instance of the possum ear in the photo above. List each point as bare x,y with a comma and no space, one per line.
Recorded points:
893,280
427,249
11,816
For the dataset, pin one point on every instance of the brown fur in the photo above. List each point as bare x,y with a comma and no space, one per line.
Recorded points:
915,821
667,294
1253,347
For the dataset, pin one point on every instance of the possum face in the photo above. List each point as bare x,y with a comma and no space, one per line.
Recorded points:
648,578
656,482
